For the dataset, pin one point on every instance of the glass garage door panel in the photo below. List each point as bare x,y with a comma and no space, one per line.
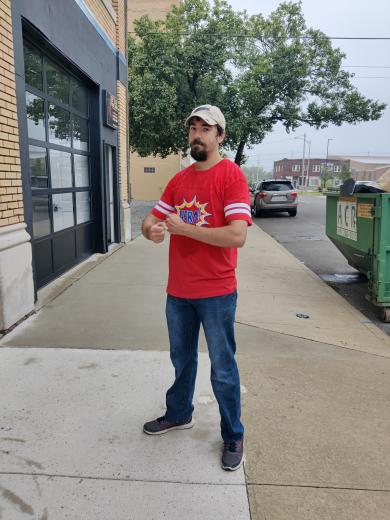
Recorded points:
41,215
38,167
61,169
81,171
59,126
35,109
63,214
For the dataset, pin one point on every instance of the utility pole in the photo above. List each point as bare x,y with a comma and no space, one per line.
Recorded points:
303,160
327,151
327,154
304,179
308,164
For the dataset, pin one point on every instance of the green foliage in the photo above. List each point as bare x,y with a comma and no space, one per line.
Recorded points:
259,71
326,175
256,173
345,173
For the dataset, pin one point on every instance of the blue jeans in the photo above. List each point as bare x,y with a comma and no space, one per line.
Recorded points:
216,315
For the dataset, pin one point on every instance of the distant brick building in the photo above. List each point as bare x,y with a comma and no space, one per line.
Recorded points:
292,169
64,178
362,168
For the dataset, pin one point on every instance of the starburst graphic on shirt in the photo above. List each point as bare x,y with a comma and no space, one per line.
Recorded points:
193,212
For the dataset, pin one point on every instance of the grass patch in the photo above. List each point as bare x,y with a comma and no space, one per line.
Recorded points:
310,193
333,285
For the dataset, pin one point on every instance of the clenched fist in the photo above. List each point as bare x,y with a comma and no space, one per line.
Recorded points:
157,232
175,225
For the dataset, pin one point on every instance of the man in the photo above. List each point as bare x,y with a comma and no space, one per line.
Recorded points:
206,210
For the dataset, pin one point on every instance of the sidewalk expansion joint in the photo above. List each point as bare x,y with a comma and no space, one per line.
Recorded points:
113,479
340,488
354,349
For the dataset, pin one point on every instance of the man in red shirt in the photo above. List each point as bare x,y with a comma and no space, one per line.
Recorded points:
206,210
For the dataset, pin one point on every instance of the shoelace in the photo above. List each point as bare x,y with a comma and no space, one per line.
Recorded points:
231,446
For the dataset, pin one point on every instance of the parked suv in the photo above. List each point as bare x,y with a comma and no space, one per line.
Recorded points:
274,195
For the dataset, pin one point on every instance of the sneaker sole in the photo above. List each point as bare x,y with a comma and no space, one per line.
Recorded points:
178,427
228,468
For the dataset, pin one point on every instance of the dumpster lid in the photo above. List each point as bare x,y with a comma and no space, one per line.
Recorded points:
351,186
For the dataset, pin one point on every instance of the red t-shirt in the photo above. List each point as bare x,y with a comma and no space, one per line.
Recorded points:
210,198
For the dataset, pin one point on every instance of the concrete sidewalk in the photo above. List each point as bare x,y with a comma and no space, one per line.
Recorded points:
315,402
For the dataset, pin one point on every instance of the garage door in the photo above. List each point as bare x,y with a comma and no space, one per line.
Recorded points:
60,180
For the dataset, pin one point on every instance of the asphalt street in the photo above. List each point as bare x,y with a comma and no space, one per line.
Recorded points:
304,236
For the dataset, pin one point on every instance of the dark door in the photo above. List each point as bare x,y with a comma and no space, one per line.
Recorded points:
111,193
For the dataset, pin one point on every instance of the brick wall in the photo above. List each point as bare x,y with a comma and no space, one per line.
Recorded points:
103,16
121,92
122,141
11,198
155,9
121,32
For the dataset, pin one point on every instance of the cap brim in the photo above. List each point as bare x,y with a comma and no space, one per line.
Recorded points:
207,120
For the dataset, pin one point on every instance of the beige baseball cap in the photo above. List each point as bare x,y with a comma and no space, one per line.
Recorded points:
210,114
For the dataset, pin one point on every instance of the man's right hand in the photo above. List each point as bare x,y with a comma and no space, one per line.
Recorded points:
157,232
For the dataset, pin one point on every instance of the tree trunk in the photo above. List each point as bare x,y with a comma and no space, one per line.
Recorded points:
239,153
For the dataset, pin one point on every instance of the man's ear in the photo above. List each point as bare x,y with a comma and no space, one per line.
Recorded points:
221,137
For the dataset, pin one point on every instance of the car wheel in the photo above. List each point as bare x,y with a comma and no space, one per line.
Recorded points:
384,314
255,210
293,213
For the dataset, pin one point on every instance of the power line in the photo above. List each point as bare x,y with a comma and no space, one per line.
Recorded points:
372,77
301,37
365,67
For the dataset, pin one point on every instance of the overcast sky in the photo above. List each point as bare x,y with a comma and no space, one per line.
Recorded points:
370,62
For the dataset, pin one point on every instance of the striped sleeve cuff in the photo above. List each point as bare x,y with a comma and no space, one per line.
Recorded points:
240,210
162,209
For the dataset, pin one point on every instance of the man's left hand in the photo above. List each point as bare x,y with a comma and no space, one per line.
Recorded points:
175,225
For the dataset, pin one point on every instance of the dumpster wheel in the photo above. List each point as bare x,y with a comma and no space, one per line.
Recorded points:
385,314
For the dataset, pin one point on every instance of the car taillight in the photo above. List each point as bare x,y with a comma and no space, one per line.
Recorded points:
262,194
294,194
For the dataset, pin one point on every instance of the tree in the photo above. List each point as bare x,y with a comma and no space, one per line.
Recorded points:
259,70
255,173
326,174
345,173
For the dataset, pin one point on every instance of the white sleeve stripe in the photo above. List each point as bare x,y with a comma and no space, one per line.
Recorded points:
234,211
237,205
165,205
162,210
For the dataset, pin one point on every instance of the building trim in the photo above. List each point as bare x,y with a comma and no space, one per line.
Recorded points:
91,17
110,9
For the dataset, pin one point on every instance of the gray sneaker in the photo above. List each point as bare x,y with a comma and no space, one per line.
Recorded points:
233,455
162,425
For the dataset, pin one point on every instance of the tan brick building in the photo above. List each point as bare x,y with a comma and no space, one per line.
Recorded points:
150,175
64,169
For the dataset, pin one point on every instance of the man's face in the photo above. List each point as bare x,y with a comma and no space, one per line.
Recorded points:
203,139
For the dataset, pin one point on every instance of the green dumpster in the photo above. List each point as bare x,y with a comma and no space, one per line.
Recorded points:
359,226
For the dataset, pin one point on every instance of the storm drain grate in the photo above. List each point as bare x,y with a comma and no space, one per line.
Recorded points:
310,237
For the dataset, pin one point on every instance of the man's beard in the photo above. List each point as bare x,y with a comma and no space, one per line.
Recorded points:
197,153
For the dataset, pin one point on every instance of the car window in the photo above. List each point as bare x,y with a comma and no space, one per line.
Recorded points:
277,186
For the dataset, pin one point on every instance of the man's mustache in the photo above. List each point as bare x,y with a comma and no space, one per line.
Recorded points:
196,141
